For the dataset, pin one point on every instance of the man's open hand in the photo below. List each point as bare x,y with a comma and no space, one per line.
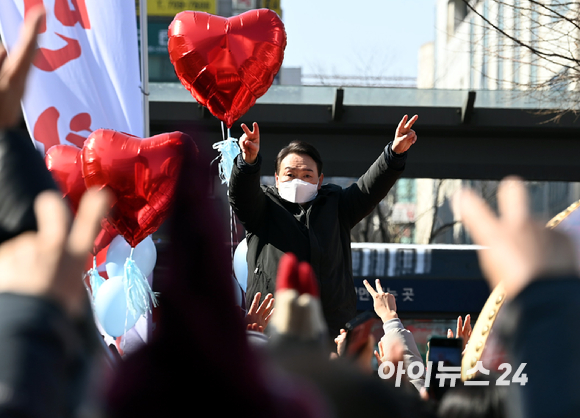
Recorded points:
404,135
250,143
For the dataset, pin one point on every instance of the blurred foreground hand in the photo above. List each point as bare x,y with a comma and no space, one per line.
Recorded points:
50,263
520,249
14,68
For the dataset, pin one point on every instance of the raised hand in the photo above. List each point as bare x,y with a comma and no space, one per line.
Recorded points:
250,143
259,316
404,135
14,69
519,248
340,342
463,330
384,303
49,263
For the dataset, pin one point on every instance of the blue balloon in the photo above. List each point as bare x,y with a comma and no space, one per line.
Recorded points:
241,264
145,255
111,308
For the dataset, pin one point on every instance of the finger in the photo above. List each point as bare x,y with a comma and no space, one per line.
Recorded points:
479,220
369,288
249,145
409,136
267,319
3,55
254,305
449,333
467,327
409,124
459,330
25,49
512,200
53,219
381,349
401,126
264,303
256,130
392,300
246,129
378,357
269,307
379,287
93,208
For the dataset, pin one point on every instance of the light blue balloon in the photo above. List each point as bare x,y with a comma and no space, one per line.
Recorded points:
111,308
241,264
145,255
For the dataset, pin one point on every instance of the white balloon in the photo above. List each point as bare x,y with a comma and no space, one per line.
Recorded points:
145,256
240,263
111,308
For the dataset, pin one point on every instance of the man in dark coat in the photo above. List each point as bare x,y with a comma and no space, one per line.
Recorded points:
311,220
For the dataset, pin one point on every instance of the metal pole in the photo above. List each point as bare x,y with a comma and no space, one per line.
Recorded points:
144,65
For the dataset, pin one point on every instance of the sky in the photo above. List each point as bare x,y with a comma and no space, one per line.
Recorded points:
373,37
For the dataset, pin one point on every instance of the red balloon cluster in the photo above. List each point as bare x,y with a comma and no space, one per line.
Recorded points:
64,163
227,63
141,173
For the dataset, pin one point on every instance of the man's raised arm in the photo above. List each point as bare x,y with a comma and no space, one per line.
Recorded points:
361,198
245,194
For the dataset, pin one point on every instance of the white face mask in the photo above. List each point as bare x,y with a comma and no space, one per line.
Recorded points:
297,191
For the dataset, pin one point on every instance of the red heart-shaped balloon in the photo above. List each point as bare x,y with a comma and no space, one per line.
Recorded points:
227,63
64,163
142,174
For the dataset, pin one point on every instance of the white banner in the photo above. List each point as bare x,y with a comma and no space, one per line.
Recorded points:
86,73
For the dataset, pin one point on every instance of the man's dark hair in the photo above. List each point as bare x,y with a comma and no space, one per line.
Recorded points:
300,148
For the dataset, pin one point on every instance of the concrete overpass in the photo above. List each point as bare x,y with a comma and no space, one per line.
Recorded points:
477,135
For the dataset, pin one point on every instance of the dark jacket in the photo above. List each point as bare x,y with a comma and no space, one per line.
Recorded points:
318,232
538,329
45,358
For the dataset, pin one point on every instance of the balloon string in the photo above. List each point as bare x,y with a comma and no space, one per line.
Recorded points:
95,279
228,149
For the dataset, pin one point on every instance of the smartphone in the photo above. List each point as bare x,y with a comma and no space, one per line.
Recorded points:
446,350
358,330
23,175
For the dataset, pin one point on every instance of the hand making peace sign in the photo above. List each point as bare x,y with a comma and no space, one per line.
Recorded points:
384,303
250,143
404,135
